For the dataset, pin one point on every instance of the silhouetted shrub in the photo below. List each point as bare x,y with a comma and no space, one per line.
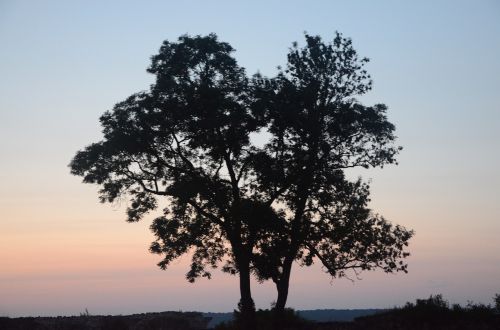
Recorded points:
270,320
496,300
433,313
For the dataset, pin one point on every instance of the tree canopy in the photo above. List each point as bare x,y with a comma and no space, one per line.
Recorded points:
318,130
186,139
184,146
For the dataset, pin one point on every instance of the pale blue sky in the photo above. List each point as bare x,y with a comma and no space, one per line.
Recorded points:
63,63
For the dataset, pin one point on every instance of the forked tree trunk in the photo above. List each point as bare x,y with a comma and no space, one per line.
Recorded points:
284,280
282,287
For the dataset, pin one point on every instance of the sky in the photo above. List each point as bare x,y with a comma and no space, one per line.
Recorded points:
435,64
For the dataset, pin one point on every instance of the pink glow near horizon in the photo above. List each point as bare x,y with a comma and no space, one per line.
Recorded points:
63,64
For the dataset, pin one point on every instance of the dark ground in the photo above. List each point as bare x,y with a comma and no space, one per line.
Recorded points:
406,318
146,321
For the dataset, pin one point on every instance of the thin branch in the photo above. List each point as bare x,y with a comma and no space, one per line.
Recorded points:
205,213
232,175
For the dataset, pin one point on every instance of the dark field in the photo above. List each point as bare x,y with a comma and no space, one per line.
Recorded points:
424,314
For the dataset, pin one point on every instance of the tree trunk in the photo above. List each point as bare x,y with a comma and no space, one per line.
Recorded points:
282,286
246,304
279,318
284,280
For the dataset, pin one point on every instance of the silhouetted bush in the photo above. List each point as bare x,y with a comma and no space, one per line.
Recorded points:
433,313
496,300
270,320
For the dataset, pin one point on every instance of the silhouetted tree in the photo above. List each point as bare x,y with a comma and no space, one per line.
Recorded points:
187,140
318,129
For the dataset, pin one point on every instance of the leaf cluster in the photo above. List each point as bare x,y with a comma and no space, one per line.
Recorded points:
184,145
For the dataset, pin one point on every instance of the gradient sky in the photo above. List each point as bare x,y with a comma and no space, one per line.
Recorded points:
63,63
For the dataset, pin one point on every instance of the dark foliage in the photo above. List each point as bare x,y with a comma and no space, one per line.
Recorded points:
184,146
496,300
318,130
186,139
268,320
433,313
